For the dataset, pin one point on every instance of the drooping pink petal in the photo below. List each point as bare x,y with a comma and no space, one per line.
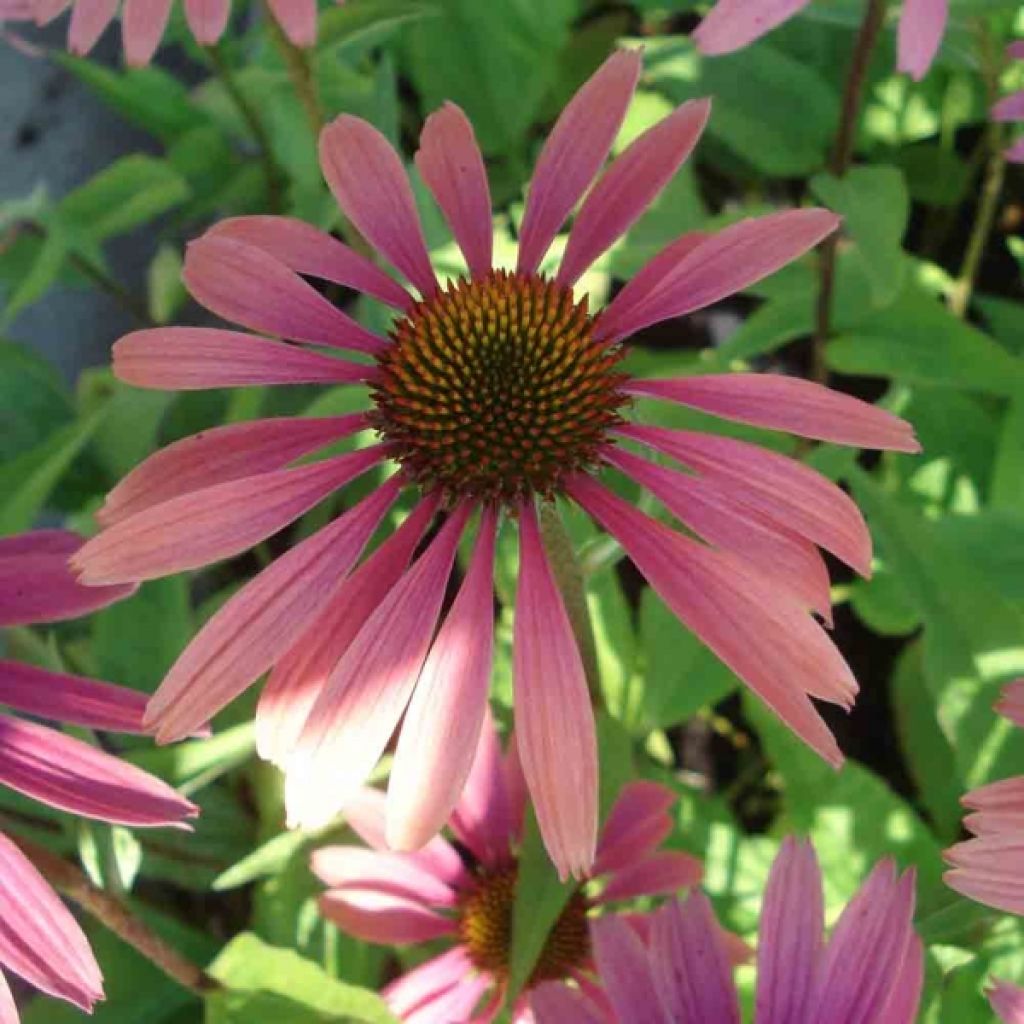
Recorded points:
451,165
629,186
262,621
441,731
554,721
553,1002
712,513
1015,154
905,996
198,358
419,987
142,26
987,869
70,699
360,705
89,18
866,951
733,24
625,971
216,456
207,19
36,584
307,250
204,526
691,968
8,1008
766,639
298,678
44,11
791,404
1009,108
786,491
664,871
1015,51
791,933
298,20
721,265
249,286
922,25
40,940
577,146
355,867
458,1002
374,916
371,187
636,825
66,773
1007,1000
999,807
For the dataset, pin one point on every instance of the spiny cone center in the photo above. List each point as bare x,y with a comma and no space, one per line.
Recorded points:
495,388
485,926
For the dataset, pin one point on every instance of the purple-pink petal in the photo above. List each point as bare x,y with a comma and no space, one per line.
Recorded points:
624,968
1007,1000
1009,108
922,25
142,26
733,24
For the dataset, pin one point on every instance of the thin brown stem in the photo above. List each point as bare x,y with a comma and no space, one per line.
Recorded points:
114,914
301,74
839,164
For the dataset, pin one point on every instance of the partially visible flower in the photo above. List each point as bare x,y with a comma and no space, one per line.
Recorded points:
733,24
401,898
1007,1000
1011,108
869,971
990,867
39,939
143,22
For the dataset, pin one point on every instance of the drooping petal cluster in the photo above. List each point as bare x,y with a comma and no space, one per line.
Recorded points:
733,24
494,395
1011,108
382,896
677,967
39,939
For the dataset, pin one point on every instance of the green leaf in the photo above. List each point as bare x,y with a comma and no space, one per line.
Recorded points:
374,20
189,766
33,400
265,860
615,754
165,289
45,269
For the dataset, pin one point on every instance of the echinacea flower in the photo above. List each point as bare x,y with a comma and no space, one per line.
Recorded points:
495,393
1011,108
1007,1000
143,22
676,969
989,868
39,939
733,24
382,896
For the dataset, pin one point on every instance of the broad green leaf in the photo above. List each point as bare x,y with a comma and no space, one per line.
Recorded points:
41,276
368,20
265,860
33,400
195,763
615,753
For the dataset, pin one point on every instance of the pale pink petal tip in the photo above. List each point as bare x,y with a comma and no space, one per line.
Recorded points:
921,28
1009,108
1011,703
1015,51
298,20
142,26
1007,1000
733,24
207,19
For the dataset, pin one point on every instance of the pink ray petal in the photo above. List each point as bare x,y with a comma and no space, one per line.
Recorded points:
637,823
451,165
1001,893
40,941
71,699
1015,154
458,1002
789,493
359,707
307,250
8,1008
577,146
721,265
374,916
371,187
298,20
905,996
554,1002
554,721
866,951
1009,108
1011,704
198,358
298,678
922,25
437,746
214,523
355,867
217,456
262,621
66,773
89,19
419,987
665,871
786,403
249,286
36,584
1007,1000
691,967
44,11
1015,51
207,19
791,934
629,187
142,26
625,971
768,641
1006,795
733,24
713,514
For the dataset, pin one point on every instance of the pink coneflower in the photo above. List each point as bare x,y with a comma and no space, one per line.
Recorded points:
989,868
1011,108
143,22
500,391
1007,1000
39,939
733,24
402,898
677,969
